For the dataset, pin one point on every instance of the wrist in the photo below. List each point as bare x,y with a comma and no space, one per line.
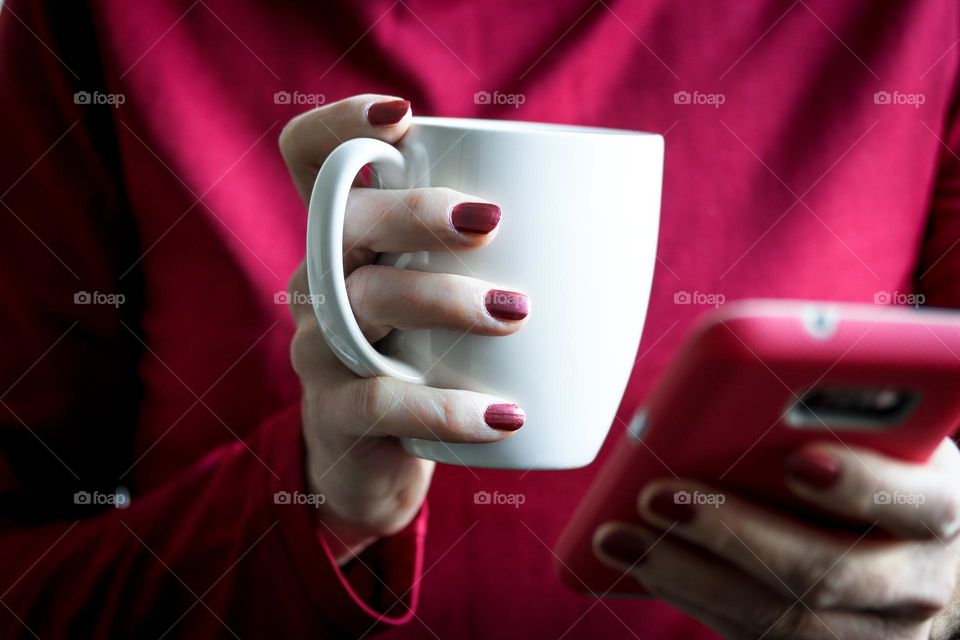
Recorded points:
345,541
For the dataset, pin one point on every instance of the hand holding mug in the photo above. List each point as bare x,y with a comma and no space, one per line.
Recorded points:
351,424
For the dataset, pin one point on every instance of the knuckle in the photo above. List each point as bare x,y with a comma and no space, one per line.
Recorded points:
370,398
448,413
297,352
287,140
415,203
284,138
825,583
360,285
304,123
338,115
946,516
445,415
306,340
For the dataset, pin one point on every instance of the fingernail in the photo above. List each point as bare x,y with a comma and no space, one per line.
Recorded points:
384,114
507,305
817,469
506,417
475,217
673,506
624,546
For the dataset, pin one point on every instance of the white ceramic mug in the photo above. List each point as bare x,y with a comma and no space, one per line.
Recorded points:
578,235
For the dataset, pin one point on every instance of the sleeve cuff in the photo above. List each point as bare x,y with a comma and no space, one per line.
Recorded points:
380,587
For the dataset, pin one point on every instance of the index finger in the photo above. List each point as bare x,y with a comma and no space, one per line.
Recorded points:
908,499
823,568
308,139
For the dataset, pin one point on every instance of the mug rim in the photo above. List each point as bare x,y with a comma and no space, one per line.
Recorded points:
521,126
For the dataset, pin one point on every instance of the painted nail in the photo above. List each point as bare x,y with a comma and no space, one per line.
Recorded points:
506,305
475,217
506,417
624,546
384,114
674,506
817,469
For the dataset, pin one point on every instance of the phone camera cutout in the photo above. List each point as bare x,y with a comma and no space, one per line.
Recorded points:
850,407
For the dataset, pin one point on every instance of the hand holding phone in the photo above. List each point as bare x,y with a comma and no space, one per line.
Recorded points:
756,382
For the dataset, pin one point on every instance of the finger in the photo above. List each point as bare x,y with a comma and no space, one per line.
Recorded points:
824,569
297,298
386,298
680,573
911,500
725,598
308,139
435,219
389,407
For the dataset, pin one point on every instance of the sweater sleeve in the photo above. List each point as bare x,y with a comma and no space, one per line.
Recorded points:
223,547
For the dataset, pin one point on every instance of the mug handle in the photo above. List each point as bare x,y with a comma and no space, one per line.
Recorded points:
328,290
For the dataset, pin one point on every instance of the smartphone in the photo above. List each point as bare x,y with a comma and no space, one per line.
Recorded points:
756,380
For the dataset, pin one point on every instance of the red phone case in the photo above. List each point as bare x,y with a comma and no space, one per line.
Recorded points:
721,413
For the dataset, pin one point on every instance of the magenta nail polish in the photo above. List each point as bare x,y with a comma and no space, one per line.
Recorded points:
475,217
506,417
389,112
624,546
506,305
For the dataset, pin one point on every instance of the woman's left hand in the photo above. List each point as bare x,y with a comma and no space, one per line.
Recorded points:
749,571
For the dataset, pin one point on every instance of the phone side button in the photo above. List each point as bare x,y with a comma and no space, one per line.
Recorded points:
637,426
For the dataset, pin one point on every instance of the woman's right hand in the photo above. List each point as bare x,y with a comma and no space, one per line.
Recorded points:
351,425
